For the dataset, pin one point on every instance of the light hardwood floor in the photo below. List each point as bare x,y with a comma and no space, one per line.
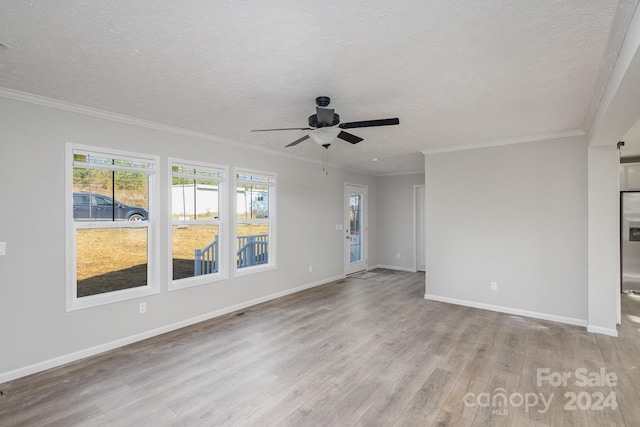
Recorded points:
356,352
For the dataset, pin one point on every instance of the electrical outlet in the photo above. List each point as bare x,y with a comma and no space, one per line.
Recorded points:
143,307
494,286
310,268
398,255
3,248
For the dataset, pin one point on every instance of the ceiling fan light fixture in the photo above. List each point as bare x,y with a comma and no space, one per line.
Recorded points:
325,135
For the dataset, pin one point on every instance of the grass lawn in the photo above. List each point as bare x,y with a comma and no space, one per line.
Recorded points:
116,258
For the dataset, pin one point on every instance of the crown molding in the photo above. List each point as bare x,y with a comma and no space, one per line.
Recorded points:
508,141
416,172
121,118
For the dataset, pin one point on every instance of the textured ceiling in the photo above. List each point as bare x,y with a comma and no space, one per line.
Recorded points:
456,72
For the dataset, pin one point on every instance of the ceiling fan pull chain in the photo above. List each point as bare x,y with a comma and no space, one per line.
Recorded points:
326,162
325,159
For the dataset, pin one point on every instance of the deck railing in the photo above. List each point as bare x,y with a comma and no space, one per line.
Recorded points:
206,259
251,250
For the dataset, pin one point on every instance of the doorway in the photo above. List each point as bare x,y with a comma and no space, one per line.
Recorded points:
355,226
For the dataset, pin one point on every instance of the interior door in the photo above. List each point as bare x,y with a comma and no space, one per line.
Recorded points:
356,238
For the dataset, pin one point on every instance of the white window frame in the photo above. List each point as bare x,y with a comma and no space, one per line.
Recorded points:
222,222
271,182
152,287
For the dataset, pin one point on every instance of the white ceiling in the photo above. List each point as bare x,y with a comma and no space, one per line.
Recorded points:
456,72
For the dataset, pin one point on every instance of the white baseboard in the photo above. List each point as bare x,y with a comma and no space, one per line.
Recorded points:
92,351
603,331
508,310
394,267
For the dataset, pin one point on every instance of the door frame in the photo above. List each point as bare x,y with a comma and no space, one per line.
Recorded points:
621,225
365,226
416,262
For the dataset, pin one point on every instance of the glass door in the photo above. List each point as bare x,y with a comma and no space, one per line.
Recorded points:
355,228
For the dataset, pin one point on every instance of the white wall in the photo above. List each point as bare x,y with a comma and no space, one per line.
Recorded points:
604,239
515,215
37,332
395,220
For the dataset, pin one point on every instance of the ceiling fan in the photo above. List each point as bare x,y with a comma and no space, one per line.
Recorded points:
325,126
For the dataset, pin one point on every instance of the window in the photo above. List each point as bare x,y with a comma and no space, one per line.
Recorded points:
255,221
111,228
198,218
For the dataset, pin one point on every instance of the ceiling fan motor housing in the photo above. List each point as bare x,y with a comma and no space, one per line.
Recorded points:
313,121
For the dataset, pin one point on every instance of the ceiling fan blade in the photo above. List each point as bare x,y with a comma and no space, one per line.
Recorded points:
349,137
325,115
297,141
269,130
370,123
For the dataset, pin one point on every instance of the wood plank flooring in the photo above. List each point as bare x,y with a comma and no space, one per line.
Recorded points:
356,352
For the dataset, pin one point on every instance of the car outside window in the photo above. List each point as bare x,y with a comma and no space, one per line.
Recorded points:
112,232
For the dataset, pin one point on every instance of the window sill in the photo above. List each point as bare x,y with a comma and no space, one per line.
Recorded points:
191,282
74,304
246,271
